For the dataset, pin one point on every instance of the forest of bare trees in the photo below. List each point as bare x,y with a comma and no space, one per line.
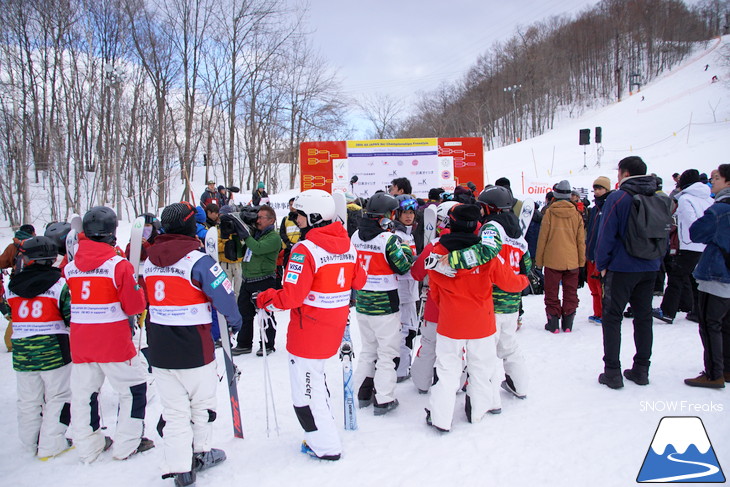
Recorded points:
115,102
112,101
518,88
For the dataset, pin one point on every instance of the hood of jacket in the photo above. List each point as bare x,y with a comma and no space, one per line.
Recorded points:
408,230
563,209
723,195
91,254
645,185
200,215
698,189
333,238
368,228
458,240
509,222
170,248
34,280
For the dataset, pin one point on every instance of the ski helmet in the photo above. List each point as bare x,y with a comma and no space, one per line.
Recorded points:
100,224
41,250
317,205
442,211
57,232
380,204
497,198
406,202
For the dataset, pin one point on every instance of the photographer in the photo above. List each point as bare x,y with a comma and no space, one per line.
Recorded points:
230,249
256,229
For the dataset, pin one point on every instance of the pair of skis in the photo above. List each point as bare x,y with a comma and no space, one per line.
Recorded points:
72,237
346,350
232,374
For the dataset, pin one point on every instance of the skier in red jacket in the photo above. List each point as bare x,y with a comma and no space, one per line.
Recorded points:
321,272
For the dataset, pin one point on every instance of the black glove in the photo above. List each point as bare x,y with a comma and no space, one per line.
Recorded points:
254,296
240,228
582,276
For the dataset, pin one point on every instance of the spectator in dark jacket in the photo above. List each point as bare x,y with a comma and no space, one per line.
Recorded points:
260,196
601,190
210,195
713,281
626,279
224,196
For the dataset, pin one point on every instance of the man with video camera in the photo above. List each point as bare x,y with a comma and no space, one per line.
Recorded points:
255,226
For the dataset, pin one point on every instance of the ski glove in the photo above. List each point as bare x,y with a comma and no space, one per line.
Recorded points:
264,300
240,228
433,262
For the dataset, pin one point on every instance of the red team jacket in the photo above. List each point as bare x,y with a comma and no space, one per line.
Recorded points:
103,294
471,290
317,282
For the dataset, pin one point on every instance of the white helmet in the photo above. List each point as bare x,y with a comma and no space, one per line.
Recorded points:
317,205
442,212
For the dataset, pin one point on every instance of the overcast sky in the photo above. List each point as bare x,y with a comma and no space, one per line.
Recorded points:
401,47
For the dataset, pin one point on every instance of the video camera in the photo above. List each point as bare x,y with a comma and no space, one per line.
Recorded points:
248,214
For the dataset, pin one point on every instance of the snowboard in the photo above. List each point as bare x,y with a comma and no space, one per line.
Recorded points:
135,244
429,224
211,248
346,355
528,209
72,238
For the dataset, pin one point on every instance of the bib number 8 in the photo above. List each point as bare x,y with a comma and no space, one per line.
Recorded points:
160,291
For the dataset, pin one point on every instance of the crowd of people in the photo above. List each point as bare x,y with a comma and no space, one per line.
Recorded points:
74,320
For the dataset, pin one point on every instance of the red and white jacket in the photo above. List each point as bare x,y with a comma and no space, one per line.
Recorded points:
470,289
322,271
103,295
40,315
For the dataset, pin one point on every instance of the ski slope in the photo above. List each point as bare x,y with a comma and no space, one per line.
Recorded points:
569,431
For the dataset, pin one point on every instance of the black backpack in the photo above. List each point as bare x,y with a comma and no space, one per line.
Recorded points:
648,227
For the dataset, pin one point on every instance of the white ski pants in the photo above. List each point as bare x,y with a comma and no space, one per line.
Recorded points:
409,321
310,398
129,381
380,336
44,400
481,360
508,350
188,409
422,368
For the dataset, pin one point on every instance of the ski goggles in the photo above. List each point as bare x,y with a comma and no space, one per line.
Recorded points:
409,204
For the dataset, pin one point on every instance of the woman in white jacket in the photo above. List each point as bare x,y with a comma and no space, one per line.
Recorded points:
681,293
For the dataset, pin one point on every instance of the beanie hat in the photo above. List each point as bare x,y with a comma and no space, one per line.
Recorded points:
260,185
179,218
603,182
464,218
562,190
688,178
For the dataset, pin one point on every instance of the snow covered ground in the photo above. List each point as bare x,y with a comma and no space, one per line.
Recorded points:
569,431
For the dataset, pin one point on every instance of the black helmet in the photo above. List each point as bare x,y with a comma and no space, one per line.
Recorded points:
100,224
406,202
380,204
40,250
57,232
497,197
150,219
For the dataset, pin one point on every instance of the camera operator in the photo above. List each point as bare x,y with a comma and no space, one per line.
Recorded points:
262,243
230,249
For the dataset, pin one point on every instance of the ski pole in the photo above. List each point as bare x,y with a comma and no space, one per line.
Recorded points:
268,389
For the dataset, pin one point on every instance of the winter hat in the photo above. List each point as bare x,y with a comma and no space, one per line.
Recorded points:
260,185
220,186
464,218
179,218
210,181
688,178
562,190
349,197
603,182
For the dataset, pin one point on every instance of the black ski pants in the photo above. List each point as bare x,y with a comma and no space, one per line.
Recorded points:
248,312
681,291
634,288
714,313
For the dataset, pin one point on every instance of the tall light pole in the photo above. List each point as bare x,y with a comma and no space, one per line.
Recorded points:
513,90
114,75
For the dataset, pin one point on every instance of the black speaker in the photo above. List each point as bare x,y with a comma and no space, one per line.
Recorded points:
585,137
599,133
